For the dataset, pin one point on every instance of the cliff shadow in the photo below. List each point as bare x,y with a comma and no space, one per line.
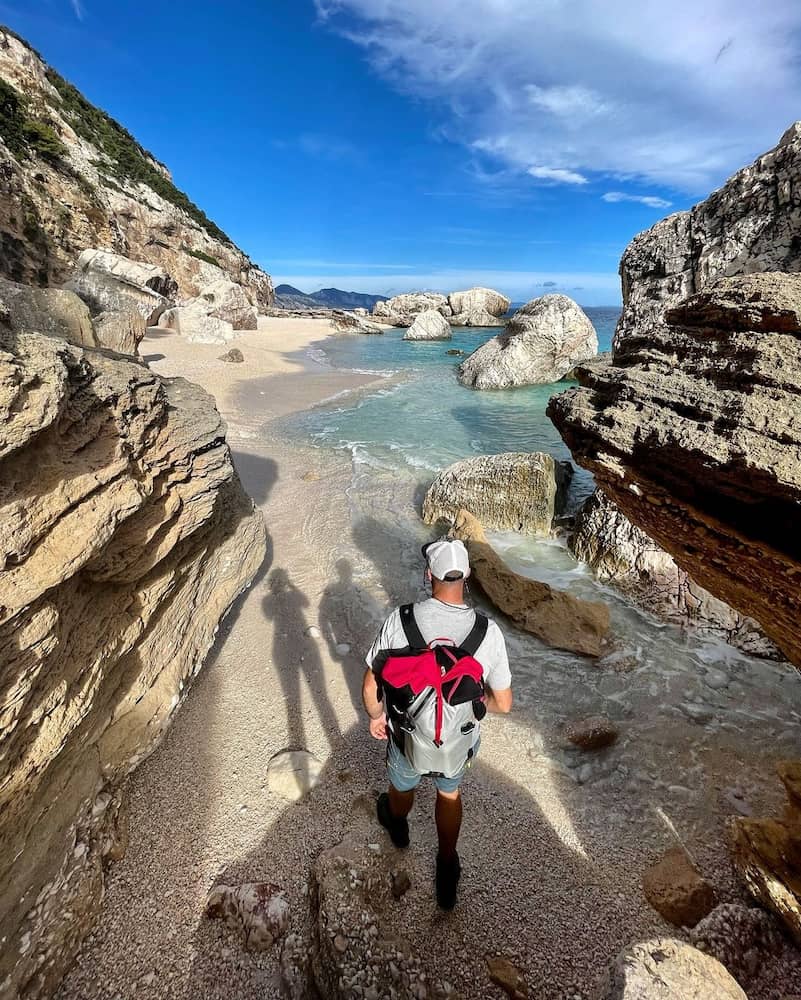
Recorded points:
525,893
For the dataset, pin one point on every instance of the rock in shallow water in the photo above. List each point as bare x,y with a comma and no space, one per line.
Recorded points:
429,325
516,491
542,342
555,617
594,733
622,554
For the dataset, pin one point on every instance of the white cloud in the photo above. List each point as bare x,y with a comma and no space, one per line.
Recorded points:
677,96
644,199
78,10
557,174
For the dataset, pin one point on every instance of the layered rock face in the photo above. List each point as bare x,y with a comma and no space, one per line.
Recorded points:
749,225
515,491
693,432
543,341
622,554
125,536
429,325
71,177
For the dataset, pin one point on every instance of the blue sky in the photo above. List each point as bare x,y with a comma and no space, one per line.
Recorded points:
389,145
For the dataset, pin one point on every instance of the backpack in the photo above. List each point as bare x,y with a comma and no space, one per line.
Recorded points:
433,697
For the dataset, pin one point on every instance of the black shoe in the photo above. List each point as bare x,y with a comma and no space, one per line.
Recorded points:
396,826
448,873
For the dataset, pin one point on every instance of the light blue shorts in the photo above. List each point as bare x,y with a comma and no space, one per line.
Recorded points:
405,778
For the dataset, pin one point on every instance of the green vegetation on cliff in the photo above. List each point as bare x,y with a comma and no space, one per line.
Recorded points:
24,134
127,159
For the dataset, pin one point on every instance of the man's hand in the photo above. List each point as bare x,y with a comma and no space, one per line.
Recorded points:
378,728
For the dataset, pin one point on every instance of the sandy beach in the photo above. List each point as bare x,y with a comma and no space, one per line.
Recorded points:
552,869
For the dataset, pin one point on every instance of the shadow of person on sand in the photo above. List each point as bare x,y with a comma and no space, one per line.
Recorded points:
349,616
296,657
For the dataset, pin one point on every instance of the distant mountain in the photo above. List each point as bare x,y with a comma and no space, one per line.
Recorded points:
288,297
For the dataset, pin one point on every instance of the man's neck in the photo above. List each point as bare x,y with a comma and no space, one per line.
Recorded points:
449,594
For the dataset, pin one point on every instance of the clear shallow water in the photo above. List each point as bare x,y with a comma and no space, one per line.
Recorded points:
690,705
426,420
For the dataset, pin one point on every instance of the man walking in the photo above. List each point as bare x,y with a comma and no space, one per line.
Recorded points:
445,620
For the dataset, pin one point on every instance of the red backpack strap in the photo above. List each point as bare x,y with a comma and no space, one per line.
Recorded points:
476,636
411,629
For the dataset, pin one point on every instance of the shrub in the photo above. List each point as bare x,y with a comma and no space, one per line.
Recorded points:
200,255
22,133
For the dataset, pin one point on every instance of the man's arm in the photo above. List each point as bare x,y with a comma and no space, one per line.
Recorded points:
499,701
374,708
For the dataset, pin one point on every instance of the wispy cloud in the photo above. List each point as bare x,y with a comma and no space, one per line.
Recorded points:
319,146
344,265
78,9
560,91
644,199
560,175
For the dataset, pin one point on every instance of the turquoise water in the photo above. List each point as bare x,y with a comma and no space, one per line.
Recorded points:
423,420
416,421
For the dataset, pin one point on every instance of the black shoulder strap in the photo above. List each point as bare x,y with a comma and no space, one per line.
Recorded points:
476,636
411,629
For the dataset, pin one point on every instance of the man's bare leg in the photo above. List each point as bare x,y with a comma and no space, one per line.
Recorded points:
449,822
400,803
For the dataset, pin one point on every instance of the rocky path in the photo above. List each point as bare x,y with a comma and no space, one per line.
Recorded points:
552,863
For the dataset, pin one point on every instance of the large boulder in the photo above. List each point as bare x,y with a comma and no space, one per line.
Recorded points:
119,331
108,282
667,969
554,616
621,554
226,300
429,325
542,342
400,310
353,322
478,299
692,432
195,324
124,538
51,311
515,491
476,317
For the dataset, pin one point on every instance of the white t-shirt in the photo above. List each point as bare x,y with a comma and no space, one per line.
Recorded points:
453,622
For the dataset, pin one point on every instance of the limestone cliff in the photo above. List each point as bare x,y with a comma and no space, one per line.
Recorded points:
71,177
751,224
693,431
124,537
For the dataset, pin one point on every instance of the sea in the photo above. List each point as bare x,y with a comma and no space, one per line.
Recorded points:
414,420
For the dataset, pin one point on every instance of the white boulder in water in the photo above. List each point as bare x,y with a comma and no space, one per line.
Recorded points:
542,342
477,301
429,325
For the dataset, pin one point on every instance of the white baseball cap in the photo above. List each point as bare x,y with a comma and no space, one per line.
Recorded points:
447,555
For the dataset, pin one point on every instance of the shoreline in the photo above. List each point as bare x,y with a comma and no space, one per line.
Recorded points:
559,889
